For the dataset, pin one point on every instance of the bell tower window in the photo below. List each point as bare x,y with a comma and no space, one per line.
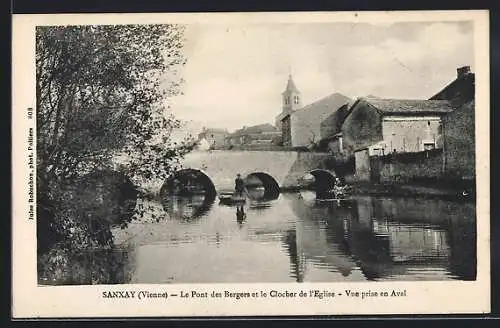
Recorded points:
296,100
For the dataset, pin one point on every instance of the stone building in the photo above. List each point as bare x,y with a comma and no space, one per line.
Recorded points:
394,125
331,131
301,125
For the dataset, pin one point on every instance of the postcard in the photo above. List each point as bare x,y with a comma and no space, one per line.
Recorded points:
250,164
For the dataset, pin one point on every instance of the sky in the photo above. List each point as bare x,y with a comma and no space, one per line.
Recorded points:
235,74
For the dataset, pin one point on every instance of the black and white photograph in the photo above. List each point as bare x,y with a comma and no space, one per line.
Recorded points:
254,152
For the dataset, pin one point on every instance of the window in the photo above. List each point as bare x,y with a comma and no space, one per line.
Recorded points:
287,101
296,100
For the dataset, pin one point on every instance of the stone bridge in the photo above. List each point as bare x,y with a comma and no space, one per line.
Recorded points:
274,169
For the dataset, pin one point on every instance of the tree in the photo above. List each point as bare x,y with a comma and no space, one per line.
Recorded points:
101,99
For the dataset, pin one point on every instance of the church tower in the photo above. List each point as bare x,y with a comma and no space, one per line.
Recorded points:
291,101
291,98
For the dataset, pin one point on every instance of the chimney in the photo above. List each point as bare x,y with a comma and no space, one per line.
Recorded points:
462,71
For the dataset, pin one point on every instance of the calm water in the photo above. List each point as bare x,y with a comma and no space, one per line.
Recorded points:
288,239
294,239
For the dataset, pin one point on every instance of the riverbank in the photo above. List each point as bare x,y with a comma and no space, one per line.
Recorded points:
442,189
452,190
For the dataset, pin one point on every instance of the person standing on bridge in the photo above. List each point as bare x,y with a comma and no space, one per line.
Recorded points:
239,185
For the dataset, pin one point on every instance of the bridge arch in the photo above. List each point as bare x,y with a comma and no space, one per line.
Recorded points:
265,180
323,179
189,177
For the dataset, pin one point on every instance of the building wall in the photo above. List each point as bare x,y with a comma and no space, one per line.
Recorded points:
304,129
335,146
361,128
362,164
459,137
408,134
332,124
406,167
306,122
286,132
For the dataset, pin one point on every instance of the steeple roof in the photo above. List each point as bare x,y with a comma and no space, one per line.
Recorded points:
291,87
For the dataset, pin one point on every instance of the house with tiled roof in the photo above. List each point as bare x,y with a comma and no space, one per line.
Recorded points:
301,125
378,127
394,125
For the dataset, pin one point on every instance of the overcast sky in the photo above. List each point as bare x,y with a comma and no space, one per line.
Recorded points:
235,74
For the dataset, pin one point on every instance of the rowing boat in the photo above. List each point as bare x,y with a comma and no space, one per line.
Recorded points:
231,199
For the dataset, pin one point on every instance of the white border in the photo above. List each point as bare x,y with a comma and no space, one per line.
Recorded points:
86,301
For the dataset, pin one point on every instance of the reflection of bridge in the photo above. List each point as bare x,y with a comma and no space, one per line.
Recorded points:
281,168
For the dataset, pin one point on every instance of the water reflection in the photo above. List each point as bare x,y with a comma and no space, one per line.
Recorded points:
240,215
187,208
292,238
389,238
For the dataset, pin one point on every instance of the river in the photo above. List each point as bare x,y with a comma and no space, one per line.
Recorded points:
295,239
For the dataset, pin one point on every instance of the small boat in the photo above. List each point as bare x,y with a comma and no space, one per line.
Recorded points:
231,199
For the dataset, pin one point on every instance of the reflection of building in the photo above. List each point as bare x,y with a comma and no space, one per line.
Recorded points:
403,235
301,126
254,136
413,242
384,238
318,239
215,138
297,259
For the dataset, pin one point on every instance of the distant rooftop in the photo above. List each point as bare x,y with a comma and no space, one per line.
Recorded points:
334,101
260,128
410,106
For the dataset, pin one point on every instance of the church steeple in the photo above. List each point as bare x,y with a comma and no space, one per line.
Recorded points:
291,96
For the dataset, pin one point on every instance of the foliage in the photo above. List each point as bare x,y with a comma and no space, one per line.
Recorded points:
101,100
